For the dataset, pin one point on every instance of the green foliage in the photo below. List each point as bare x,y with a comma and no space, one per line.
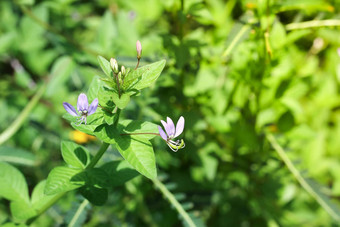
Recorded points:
238,71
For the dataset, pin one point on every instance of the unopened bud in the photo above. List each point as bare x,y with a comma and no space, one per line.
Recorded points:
139,49
114,65
123,70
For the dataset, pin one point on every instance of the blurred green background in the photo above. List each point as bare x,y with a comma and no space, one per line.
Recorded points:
248,76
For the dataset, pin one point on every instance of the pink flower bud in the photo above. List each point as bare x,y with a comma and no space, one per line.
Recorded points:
139,49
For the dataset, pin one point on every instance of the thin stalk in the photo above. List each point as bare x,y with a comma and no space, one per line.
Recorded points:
99,154
313,24
17,123
174,202
78,213
235,40
302,181
55,198
46,206
140,133
138,60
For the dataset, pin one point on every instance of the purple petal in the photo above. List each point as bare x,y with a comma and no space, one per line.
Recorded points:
339,52
165,125
171,127
93,107
70,109
82,103
179,126
162,133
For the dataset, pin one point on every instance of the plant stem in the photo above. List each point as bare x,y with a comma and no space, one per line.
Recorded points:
302,181
117,117
55,198
17,123
138,59
78,213
46,206
313,24
174,202
99,154
140,133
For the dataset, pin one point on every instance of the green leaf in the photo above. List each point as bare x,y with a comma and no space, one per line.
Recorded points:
74,154
286,122
92,177
121,102
309,185
136,149
97,196
105,65
119,172
59,180
61,71
144,76
39,198
21,210
92,122
17,156
13,184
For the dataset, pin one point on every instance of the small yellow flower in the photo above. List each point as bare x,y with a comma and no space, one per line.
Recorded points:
80,137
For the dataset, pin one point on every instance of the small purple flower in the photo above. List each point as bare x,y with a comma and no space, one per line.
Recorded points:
83,108
171,132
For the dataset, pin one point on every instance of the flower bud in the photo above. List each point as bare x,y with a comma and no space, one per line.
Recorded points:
123,70
114,65
139,49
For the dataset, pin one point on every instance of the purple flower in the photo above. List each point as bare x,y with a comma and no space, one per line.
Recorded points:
339,51
171,132
83,108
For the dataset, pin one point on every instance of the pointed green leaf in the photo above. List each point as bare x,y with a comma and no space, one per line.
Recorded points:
92,177
22,210
13,184
121,102
74,154
17,156
59,180
39,198
105,65
97,196
144,76
136,149
119,172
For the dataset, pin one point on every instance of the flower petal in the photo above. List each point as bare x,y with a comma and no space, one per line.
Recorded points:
165,125
93,106
179,126
70,109
171,127
82,103
162,133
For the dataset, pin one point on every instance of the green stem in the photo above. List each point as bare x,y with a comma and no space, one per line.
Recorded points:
78,213
117,115
54,199
237,38
99,154
174,202
17,123
313,24
303,182
45,207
